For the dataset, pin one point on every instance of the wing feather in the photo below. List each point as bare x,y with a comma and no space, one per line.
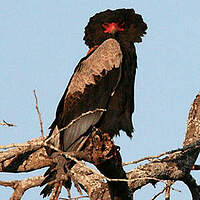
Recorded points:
79,126
105,58
90,88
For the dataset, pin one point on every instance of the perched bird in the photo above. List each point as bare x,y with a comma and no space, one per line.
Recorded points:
100,93
103,80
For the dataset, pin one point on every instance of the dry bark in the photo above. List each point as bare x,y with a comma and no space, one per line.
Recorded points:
101,151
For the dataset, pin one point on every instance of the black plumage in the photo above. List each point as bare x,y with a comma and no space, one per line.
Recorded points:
104,79
100,93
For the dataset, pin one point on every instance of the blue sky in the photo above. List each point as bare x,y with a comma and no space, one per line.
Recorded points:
41,43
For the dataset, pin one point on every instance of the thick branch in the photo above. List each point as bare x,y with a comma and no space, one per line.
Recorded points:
193,187
20,186
175,166
25,157
172,167
93,183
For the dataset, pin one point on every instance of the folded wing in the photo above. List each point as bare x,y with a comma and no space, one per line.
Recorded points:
88,93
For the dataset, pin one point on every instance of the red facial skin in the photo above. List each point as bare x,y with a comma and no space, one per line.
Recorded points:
109,28
113,27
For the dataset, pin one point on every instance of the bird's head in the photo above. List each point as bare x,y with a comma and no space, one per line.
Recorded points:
122,24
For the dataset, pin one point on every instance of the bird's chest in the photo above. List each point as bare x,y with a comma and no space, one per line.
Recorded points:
128,71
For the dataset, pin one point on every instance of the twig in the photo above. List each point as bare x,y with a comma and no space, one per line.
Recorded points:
4,123
175,189
24,145
74,198
39,114
196,167
134,179
168,188
161,192
13,145
145,158
193,146
167,193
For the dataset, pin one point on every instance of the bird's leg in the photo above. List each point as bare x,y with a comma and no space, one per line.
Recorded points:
56,173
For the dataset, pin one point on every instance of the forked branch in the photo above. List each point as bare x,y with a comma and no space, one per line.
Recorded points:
173,165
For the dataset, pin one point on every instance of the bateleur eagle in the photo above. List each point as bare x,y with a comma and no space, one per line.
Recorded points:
100,93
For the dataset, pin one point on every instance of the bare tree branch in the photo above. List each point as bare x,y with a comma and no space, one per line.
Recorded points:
170,166
4,123
193,187
75,198
39,114
196,167
20,186
161,192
